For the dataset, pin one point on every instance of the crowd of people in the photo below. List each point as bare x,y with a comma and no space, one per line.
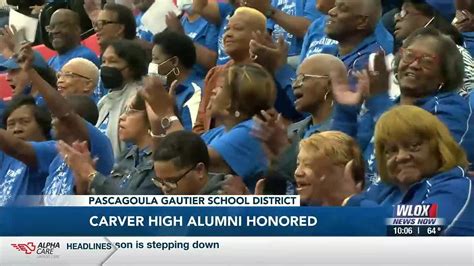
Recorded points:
343,102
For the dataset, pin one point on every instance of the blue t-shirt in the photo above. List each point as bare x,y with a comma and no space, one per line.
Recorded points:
240,150
58,61
17,179
469,42
203,33
225,10
142,32
300,8
316,41
60,180
188,98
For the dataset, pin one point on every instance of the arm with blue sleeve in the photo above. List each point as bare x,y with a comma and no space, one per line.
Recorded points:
206,55
285,100
58,106
212,12
17,148
297,25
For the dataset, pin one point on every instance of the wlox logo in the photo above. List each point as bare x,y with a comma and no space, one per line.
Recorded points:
43,248
426,210
424,214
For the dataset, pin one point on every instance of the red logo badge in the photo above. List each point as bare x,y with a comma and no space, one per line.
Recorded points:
27,248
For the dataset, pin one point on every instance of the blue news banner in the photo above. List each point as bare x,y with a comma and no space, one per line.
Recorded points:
193,221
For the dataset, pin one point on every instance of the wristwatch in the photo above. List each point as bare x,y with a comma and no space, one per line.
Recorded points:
270,12
167,121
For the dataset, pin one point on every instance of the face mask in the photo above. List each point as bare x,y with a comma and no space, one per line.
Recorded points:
111,77
153,71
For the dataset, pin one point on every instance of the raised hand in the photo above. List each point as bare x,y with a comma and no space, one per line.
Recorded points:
271,130
79,160
264,51
342,91
464,21
173,23
92,8
8,44
26,57
160,102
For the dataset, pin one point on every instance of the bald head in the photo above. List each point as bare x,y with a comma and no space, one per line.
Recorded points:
64,30
68,15
372,9
322,64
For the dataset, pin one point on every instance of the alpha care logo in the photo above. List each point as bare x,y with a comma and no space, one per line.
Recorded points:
27,248
43,249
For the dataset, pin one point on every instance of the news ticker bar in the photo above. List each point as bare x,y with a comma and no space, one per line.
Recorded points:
162,201
236,251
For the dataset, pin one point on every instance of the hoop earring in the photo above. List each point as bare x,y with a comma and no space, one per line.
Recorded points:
176,71
326,95
237,114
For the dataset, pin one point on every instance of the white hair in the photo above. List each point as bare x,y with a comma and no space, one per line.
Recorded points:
88,67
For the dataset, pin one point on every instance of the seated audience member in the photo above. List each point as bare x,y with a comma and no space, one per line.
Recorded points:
355,26
312,89
248,89
79,76
19,80
123,65
24,122
290,20
114,22
181,168
419,163
315,38
204,36
330,169
133,170
142,6
73,121
64,31
429,71
219,13
173,57
415,15
242,25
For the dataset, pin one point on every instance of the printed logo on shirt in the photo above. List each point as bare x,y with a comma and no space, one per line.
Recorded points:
59,185
192,35
290,9
316,47
7,186
104,125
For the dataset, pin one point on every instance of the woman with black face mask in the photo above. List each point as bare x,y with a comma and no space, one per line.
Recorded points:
124,63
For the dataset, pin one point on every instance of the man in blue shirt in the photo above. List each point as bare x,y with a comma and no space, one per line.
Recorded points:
353,24
26,123
142,32
65,35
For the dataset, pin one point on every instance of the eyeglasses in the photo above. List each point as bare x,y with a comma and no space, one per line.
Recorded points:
70,75
51,27
299,80
99,24
403,13
130,110
426,61
171,183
